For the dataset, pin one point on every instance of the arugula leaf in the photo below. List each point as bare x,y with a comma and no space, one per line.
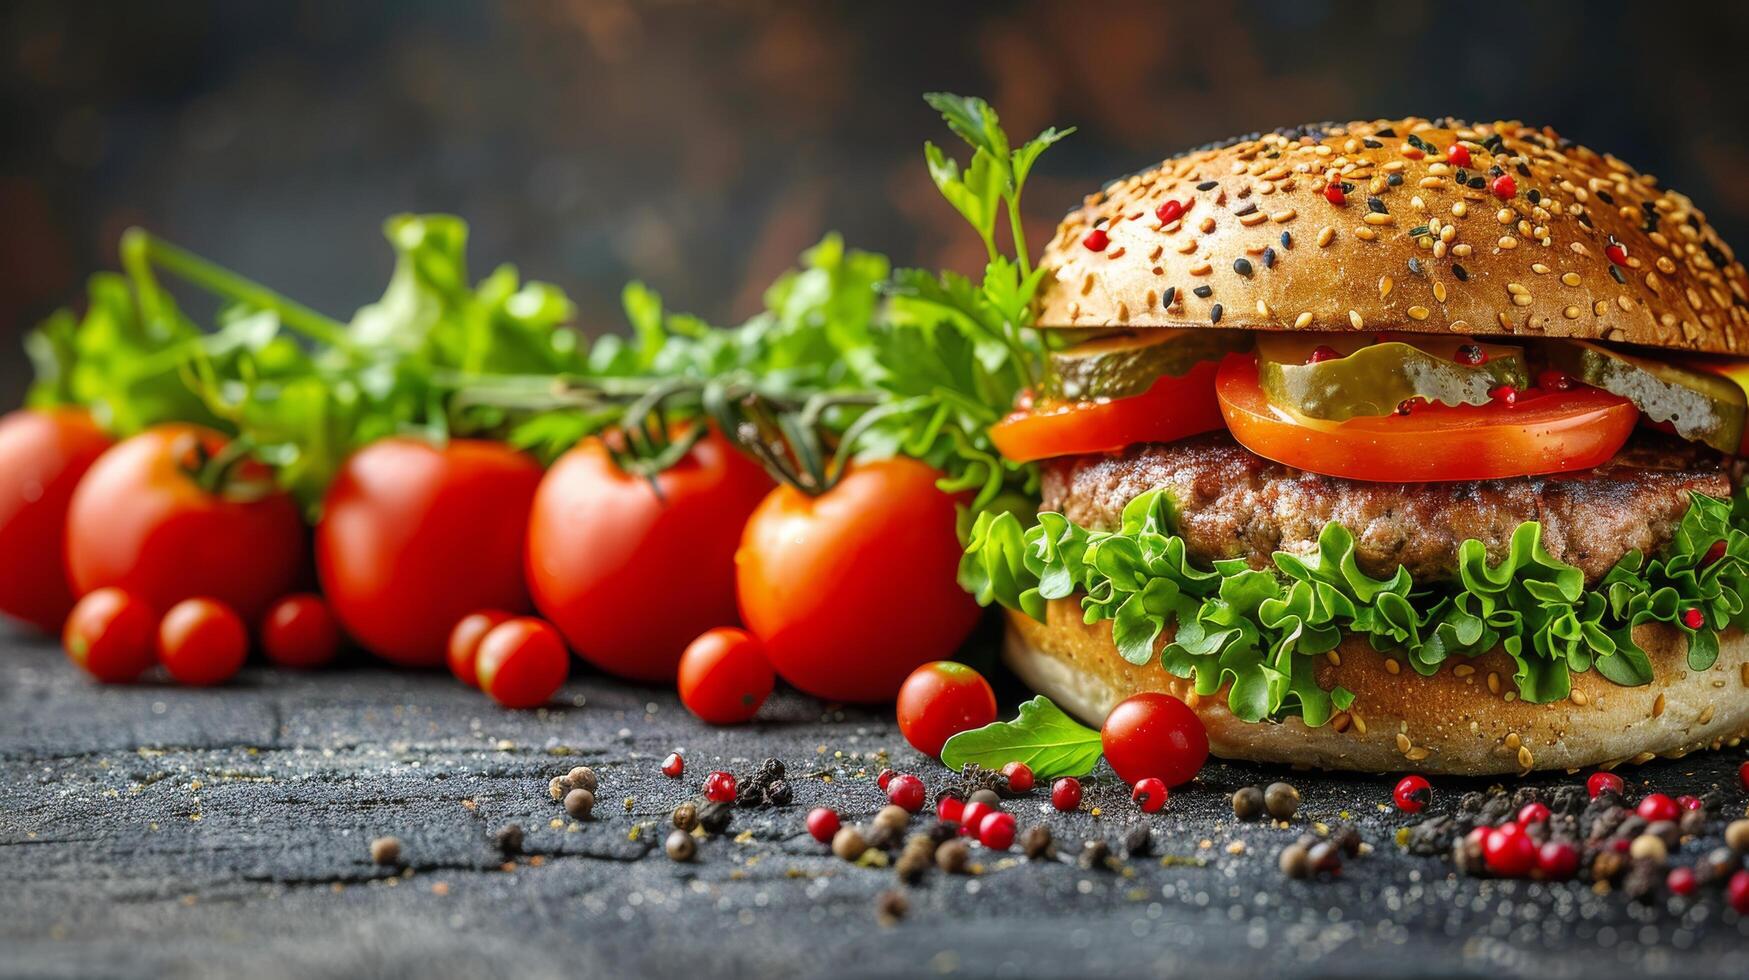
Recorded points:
1050,742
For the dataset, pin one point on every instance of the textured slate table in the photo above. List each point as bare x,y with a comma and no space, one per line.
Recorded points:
159,830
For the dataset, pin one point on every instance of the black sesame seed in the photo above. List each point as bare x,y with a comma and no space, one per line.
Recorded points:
1347,188
1478,183
1208,185
1269,257
1377,206
1388,133
1204,292
1523,171
1215,314
1495,171
1463,176
1616,273
1242,267
1536,196
1462,274
1168,296
1414,266
1605,197
1418,231
1247,209
1371,143
1585,219
1287,240
1394,179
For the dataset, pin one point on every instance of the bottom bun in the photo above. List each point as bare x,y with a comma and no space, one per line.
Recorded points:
1467,719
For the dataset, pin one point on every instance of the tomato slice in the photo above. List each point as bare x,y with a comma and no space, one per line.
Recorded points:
1172,408
1553,432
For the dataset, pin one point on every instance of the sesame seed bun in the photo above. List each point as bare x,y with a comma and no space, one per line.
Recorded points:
1463,720
1523,246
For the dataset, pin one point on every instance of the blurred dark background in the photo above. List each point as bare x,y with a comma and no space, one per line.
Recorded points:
699,146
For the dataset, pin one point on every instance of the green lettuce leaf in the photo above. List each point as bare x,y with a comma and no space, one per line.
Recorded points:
1050,743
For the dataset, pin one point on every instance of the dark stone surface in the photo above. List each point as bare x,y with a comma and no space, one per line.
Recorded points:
158,830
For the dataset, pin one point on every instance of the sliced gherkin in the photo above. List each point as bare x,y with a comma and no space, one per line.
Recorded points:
1128,364
1339,377
1700,406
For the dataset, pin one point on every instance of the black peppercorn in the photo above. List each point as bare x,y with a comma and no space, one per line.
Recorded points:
881,835
913,863
769,771
579,803
1096,853
942,831
715,817
1248,803
386,851
1139,841
1036,842
779,793
1693,823
1281,800
582,777
1347,838
952,856
988,797
508,839
891,907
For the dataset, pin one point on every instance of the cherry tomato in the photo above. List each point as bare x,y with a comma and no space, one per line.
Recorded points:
1154,734
413,537
853,589
300,632
43,453
142,521
724,676
111,635
463,648
629,573
1551,433
1172,408
941,699
202,642
522,662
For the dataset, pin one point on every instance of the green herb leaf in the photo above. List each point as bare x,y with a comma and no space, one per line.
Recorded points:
1050,743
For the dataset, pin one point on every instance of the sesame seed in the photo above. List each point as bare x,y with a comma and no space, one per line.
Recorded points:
1204,292
1403,743
1418,312
1516,289
1525,759
1287,239
1385,284
1168,296
1378,218
1355,321
1571,312
1365,234
1215,314
1571,278
1706,715
1247,209
1539,268
1658,705
1327,234
1507,241
1242,267
1269,257
1304,320
1460,209
1208,185
1376,205
1284,216
1580,698
1439,290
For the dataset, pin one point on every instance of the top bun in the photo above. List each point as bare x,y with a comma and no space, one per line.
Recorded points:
1541,237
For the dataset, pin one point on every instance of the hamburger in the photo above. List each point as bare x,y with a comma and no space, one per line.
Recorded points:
1396,445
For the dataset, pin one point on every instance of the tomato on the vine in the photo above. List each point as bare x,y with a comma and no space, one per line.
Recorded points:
1154,735
941,699
853,589
522,662
111,635
158,516
630,573
300,632
1172,408
413,537
43,453
1553,432
463,648
202,641
724,676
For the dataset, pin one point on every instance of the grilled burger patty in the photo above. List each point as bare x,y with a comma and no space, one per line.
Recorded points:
1233,503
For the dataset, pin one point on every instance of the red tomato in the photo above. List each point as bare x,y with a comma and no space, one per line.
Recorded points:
110,635
1154,735
1174,407
42,456
1554,432
202,642
413,537
522,662
724,676
464,643
140,521
941,699
631,575
300,632
851,590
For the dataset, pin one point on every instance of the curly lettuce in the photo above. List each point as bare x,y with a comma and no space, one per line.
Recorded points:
1256,632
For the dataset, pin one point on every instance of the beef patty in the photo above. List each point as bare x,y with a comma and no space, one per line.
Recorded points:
1233,503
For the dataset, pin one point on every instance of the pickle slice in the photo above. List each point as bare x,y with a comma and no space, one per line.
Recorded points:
1128,364
1372,377
1700,406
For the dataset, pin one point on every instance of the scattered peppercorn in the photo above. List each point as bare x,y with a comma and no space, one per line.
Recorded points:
779,793
579,803
583,777
1737,836
986,797
892,815
848,843
1149,794
386,851
1648,847
1139,841
1096,853
1325,857
1281,800
508,839
1248,803
1019,775
952,856
882,837
685,817
557,788
715,817
1295,861
1066,793
823,824
680,846
1036,843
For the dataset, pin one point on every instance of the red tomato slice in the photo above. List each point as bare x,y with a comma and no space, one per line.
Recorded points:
1553,432
1173,408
